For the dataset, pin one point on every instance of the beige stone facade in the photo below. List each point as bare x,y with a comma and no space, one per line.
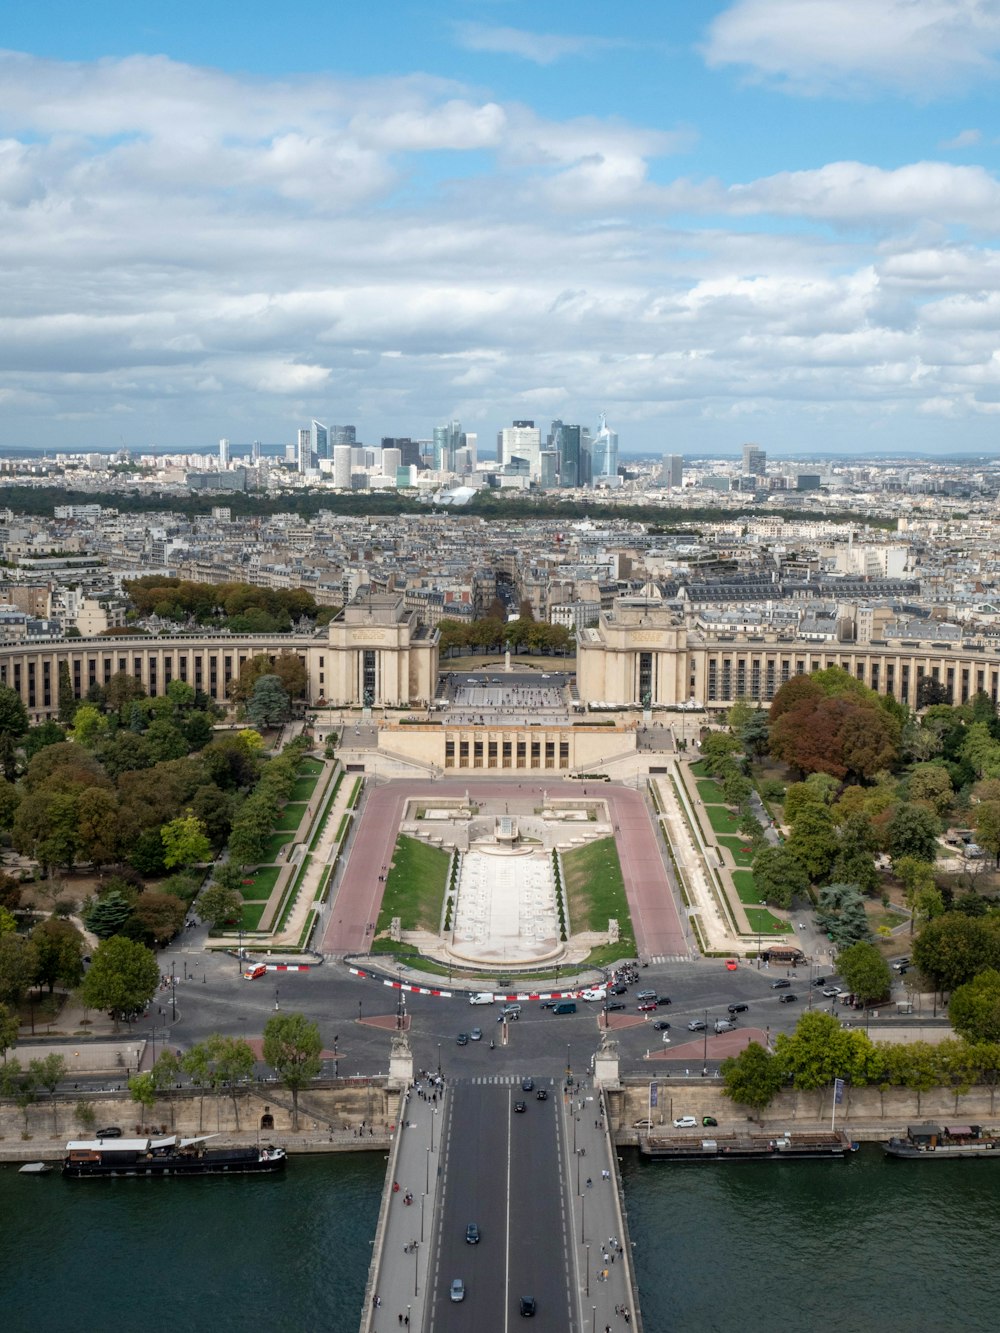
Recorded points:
379,653
639,650
533,750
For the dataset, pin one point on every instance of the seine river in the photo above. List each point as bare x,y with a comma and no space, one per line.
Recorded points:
866,1246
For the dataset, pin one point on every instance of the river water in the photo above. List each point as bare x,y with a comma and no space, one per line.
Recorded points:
866,1246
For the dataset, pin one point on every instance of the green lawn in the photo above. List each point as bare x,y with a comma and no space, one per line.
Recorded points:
303,789
415,888
596,891
766,922
745,887
272,851
721,819
290,817
252,913
710,792
313,766
263,881
740,848
700,769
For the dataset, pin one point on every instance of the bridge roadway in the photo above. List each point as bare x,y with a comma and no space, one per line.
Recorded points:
522,1178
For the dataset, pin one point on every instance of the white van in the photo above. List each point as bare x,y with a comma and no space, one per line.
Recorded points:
482,997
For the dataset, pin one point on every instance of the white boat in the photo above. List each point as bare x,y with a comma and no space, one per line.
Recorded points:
34,1169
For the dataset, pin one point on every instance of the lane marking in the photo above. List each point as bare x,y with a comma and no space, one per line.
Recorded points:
506,1274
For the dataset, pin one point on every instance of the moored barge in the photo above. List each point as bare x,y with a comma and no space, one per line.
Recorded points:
943,1141
172,1156
748,1147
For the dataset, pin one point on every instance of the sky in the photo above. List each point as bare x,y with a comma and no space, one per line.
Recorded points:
718,221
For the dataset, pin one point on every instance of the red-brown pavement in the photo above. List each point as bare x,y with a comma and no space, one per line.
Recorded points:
658,928
719,1047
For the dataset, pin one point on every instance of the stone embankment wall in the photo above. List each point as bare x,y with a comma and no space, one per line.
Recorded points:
326,1114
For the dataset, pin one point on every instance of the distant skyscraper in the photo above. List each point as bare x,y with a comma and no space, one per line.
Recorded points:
342,466
392,461
673,470
754,461
303,453
408,448
604,451
223,453
342,435
586,457
547,461
255,452
447,441
522,440
566,440
319,444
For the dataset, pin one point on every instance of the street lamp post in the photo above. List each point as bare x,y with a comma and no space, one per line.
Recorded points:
173,991
588,1270
359,1011
439,1059
276,1005
704,1064
239,955
427,1170
583,1219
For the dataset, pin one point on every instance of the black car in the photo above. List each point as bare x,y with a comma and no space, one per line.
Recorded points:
614,1004
548,1004
781,984
541,1095
709,1120
462,1039
738,1008
619,988
528,1306
527,1084
661,1025
109,1132
472,1234
787,999
820,981
520,1107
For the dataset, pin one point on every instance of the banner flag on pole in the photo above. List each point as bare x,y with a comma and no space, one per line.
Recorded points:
838,1091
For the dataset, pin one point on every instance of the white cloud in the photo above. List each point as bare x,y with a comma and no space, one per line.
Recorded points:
920,47
964,139
538,47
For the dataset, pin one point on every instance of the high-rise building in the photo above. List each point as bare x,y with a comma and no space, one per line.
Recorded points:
409,449
223,453
604,452
586,457
303,452
754,461
342,466
566,440
547,463
392,461
673,470
447,441
255,452
342,435
522,440
319,444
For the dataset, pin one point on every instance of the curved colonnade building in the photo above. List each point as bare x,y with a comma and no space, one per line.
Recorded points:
377,652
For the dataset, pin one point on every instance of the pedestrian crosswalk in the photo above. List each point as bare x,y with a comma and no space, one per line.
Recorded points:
503,1080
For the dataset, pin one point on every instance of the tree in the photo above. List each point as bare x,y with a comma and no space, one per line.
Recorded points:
819,1051
912,831
9,1028
268,704
753,1078
952,949
840,911
18,966
108,914
814,841
67,699
219,904
184,842
293,1048
59,951
233,1061
143,1090
48,1073
89,725
931,783
779,876
19,1084
865,971
988,827
975,1008
121,979
160,915
97,826
13,714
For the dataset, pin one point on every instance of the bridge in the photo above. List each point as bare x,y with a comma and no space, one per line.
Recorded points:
539,1184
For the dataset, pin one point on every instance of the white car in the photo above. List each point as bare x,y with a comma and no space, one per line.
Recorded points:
831,991
483,997
686,1122
593,995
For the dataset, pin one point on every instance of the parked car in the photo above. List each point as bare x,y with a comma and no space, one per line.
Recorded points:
685,1122
109,1132
697,1025
709,1120
781,984
787,999
898,964
724,1025
642,1124
738,1008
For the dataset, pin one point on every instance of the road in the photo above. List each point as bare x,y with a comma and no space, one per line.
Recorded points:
505,1172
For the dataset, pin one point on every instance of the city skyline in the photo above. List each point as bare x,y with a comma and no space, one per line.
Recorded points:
750,220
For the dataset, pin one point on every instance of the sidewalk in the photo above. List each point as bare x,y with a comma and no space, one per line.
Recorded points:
601,1251
398,1277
